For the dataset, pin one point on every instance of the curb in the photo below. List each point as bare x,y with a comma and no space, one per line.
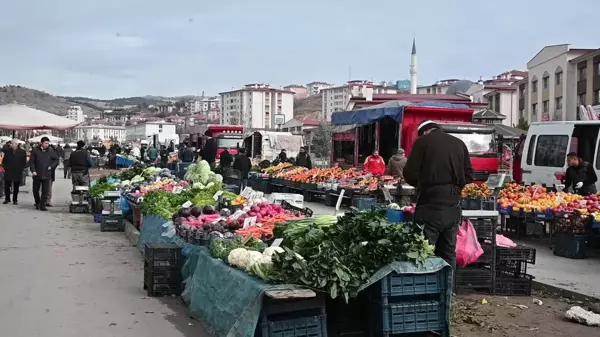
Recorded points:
132,233
563,292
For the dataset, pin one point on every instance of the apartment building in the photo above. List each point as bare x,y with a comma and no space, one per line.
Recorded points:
438,88
337,98
315,88
588,79
98,131
166,131
209,103
75,113
550,92
257,106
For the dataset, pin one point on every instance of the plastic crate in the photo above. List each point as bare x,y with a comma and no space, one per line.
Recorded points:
513,267
412,284
112,223
573,246
307,212
163,255
294,199
309,326
486,204
519,253
485,228
410,317
363,204
488,253
74,208
162,283
474,277
511,284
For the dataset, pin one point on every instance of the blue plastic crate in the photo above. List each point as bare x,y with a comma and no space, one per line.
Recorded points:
411,317
364,203
414,284
310,326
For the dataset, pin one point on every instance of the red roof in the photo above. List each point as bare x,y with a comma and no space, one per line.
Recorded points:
309,119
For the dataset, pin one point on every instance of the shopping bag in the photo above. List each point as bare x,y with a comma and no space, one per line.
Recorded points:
468,249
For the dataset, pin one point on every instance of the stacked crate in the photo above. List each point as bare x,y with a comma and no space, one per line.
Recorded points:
291,314
481,274
411,303
511,271
162,269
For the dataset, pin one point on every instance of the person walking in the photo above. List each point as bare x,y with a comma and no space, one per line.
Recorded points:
243,164
66,155
81,162
581,176
396,165
14,162
42,161
374,164
439,167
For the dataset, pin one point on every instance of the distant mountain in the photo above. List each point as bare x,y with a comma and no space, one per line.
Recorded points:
307,105
41,100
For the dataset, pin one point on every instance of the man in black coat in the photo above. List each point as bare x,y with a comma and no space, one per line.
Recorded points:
80,162
581,176
43,161
439,167
14,162
243,164
209,151
226,159
303,159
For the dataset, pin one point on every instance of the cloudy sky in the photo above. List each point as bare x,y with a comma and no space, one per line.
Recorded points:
118,48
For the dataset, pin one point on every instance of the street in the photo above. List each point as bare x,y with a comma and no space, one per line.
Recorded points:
62,277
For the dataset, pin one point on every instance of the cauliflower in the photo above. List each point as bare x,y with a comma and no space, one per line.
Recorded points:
238,257
270,250
253,257
262,267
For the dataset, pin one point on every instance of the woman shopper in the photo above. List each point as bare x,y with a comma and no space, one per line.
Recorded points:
66,155
14,162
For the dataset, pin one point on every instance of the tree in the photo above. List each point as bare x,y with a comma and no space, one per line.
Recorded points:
320,143
523,124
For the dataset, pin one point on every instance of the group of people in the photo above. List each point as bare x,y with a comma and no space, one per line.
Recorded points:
375,164
43,161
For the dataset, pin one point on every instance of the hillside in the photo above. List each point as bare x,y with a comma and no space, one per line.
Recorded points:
41,100
303,106
126,101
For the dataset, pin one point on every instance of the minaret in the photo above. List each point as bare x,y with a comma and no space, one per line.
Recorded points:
413,69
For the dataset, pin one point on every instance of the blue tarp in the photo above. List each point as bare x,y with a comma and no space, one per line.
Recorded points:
392,109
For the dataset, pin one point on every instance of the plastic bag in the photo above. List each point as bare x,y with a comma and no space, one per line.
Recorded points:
503,241
468,249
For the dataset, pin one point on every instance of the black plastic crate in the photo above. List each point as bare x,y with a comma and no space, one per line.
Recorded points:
112,223
308,326
513,267
488,253
477,277
316,306
512,284
485,228
161,254
409,317
162,283
307,212
573,246
412,284
75,208
519,253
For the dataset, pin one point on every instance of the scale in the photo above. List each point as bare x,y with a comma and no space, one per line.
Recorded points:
494,183
110,206
80,200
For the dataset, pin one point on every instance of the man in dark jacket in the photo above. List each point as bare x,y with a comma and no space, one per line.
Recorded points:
14,162
226,159
439,167
209,151
581,175
186,154
66,155
43,161
303,159
243,164
282,156
80,162
396,165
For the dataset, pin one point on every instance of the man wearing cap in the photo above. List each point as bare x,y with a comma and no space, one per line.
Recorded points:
439,167
396,165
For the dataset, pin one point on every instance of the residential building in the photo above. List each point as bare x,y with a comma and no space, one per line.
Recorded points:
118,115
100,131
337,98
193,106
257,106
438,88
75,113
166,131
315,88
588,79
299,91
361,102
299,125
166,108
550,92
209,103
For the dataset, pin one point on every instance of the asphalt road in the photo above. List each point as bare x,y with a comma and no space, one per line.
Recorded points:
61,276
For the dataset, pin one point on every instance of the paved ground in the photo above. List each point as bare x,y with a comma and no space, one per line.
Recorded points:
62,277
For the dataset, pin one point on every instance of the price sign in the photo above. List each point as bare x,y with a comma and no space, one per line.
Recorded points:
246,192
249,222
187,204
246,238
277,242
217,195
177,189
339,201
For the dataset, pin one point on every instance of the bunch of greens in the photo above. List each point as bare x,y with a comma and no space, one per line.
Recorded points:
295,231
133,171
342,257
163,203
200,173
97,191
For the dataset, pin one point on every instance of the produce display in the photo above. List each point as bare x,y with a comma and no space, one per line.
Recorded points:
476,191
200,175
277,168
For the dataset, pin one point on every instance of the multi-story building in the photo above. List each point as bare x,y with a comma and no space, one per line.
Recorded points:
193,106
144,131
101,132
75,113
337,98
588,79
118,115
438,88
166,108
550,91
257,106
315,88
209,103
299,91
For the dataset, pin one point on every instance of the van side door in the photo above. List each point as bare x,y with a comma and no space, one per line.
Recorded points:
545,153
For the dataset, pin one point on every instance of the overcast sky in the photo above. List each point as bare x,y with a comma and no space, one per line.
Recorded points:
118,48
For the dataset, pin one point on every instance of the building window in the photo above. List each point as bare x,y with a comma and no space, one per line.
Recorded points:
582,74
534,108
558,78
534,86
596,97
545,106
521,90
597,67
581,99
545,81
428,90
558,103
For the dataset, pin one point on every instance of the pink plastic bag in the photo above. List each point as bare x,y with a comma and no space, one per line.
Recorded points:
503,241
468,249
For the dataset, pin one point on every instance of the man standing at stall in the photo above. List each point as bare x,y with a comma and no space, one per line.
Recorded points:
581,176
396,165
374,164
439,167
81,162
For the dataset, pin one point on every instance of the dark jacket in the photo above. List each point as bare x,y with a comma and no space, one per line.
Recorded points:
43,162
186,155
584,172
439,167
303,160
243,164
226,159
209,151
14,163
282,156
67,153
80,161
396,166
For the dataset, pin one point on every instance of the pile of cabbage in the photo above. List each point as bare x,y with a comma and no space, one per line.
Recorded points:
201,176
255,263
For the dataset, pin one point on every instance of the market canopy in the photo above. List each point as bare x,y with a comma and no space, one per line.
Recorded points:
21,117
392,109
51,138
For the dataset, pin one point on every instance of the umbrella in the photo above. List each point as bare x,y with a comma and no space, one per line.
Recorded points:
51,138
20,117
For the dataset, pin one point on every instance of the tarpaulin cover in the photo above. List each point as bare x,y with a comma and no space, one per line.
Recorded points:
51,139
21,117
392,109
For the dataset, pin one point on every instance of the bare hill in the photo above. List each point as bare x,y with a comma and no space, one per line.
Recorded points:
41,100
303,106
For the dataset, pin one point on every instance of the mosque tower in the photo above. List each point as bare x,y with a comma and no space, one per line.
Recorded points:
413,68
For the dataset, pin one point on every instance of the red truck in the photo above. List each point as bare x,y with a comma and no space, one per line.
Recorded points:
393,128
228,138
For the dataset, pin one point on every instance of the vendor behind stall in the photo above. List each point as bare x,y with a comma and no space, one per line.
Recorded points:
374,164
581,176
396,165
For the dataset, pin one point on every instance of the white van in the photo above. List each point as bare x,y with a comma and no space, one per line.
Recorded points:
544,160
